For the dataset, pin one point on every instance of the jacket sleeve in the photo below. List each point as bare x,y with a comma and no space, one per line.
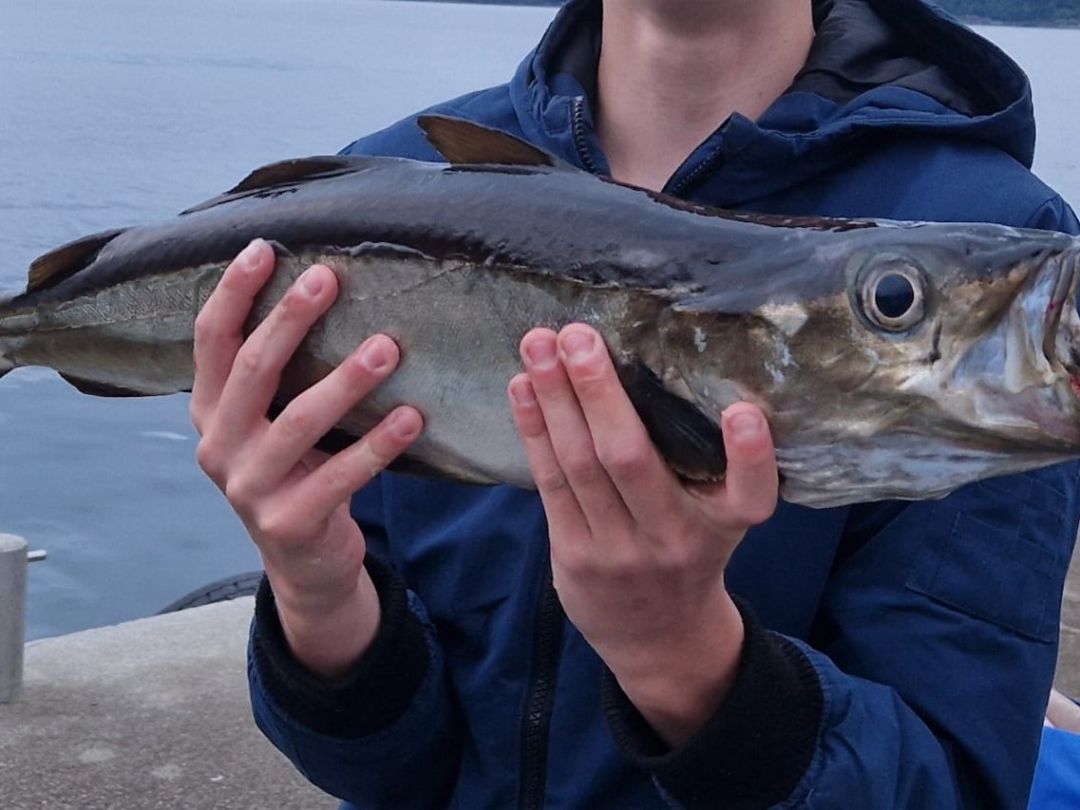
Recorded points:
926,678
385,735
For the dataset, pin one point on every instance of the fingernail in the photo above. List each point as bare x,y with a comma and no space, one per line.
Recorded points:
249,255
375,353
541,353
311,280
522,392
578,345
402,424
746,426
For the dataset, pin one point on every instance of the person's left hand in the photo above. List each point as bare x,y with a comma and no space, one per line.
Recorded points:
638,557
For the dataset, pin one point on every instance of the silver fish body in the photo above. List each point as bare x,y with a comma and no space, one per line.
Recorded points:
894,360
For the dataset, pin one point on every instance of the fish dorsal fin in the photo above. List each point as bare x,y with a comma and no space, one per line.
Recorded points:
690,441
284,173
65,261
293,171
464,143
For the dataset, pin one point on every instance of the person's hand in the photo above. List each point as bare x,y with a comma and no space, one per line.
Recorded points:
638,557
292,499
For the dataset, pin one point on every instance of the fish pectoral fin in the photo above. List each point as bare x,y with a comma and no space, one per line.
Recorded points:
688,439
51,268
99,389
282,174
465,143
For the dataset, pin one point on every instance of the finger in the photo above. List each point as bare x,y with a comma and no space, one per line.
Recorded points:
256,372
749,494
560,505
310,415
317,495
219,324
568,432
623,447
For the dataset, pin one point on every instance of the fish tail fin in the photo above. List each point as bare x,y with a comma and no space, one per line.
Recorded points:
6,364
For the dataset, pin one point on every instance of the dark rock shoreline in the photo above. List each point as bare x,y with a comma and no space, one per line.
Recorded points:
971,19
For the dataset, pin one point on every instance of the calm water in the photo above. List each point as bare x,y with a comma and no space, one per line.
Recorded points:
123,111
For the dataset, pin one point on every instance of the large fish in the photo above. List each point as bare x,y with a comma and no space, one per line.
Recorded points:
893,360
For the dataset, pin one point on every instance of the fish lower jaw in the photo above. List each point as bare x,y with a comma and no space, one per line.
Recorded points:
901,466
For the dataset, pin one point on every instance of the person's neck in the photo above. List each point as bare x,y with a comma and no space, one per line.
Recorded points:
672,71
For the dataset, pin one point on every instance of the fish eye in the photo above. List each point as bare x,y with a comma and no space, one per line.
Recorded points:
893,296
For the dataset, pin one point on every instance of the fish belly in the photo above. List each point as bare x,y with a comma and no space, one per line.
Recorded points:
458,326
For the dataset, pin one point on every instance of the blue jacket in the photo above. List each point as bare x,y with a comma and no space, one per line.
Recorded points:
897,655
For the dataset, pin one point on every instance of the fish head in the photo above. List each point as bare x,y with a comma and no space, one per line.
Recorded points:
994,314
902,361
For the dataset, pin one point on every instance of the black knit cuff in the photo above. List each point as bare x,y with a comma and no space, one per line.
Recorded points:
367,700
754,750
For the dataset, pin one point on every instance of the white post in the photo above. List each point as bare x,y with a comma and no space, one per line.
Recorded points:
13,563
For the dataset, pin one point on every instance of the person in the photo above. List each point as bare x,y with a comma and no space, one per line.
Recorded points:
619,639
1056,785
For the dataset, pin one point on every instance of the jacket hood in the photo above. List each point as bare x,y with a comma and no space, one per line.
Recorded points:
877,67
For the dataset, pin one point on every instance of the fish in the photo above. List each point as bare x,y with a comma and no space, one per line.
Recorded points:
893,360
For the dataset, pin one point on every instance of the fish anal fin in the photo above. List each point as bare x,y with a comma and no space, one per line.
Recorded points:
464,143
688,439
335,440
99,389
51,268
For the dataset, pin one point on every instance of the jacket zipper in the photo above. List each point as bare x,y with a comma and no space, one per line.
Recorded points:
581,142
536,723
548,625
684,186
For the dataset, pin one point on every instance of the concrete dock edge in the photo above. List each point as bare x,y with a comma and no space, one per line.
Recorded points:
149,714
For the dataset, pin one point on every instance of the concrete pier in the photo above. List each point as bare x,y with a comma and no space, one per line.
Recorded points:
12,614
149,714
153,714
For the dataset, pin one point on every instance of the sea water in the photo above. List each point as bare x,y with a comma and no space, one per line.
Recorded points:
120,112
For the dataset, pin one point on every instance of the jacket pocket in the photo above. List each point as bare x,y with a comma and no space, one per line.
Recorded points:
999,554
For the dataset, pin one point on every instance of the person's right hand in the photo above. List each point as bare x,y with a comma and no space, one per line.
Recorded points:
292,499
